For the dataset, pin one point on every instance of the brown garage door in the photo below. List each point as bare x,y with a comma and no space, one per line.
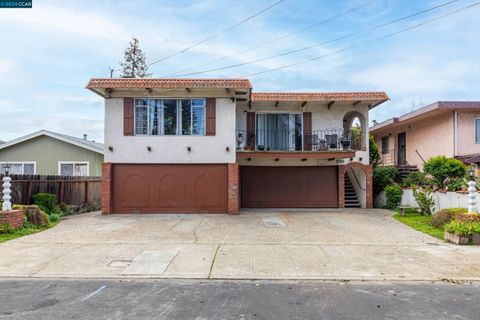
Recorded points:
289,187
156,188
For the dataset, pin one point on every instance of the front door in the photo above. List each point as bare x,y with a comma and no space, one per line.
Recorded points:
402,149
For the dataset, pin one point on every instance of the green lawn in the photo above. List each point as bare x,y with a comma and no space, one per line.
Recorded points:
24,232
420,223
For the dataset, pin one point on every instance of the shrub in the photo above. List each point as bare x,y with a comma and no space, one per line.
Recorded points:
5,228
57,211
374,153
444,216
457,184
46,201
35,216
394,195
54,217
468,217
444,170
416,178
424,200
463,228
382,177
66,209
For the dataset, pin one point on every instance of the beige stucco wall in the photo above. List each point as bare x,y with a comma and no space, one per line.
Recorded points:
47,152
322,119
170,149
466,132
431,137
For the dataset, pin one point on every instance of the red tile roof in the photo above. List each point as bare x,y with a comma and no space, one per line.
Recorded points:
133,83
319,96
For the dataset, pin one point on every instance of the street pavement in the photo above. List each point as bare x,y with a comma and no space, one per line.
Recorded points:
223,300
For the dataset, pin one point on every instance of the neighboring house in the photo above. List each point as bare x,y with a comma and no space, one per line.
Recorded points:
449,128
50,153
213,146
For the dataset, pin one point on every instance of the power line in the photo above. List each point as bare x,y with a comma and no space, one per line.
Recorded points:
319,43
218,33
363,44
263,44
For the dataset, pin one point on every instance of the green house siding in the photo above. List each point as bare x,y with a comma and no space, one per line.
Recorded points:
47,152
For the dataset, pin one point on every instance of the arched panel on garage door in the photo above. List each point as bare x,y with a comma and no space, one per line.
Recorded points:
171,191
207,191
134,191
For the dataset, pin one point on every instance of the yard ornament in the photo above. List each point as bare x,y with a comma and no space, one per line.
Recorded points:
472,193
7,205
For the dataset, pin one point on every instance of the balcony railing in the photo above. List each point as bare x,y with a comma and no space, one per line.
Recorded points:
298,140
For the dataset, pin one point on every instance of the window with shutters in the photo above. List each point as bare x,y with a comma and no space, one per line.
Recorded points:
170,117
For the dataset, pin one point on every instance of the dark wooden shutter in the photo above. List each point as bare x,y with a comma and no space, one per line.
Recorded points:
250,131
128,116
210,111
307,131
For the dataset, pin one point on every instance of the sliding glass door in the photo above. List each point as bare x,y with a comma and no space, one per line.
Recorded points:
279,131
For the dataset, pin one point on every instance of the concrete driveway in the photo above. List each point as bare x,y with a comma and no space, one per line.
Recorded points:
262,244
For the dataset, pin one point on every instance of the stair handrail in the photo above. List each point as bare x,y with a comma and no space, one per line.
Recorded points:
420,155
359,185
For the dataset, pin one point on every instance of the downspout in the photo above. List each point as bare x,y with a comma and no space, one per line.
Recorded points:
455,128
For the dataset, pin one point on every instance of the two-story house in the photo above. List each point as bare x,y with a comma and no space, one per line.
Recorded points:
214,146
448,128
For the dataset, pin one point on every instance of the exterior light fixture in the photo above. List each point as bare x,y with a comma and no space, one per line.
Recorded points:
149,148
110,148
189,149
7,169
228,149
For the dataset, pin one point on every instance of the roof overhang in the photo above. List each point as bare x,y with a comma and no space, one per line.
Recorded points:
372,99
51,135
145,87
426,112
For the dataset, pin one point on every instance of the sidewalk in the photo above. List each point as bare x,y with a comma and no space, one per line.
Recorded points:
263,244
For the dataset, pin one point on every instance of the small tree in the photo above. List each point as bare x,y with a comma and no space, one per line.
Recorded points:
374,153
134,65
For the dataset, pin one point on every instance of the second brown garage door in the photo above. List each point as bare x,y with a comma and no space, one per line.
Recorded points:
289,187
176,188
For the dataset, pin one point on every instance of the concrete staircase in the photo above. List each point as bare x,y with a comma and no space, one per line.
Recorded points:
405,170
351,198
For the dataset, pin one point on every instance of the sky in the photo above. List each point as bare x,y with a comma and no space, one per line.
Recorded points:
48,53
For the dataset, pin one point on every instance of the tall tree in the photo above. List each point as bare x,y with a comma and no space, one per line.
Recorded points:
134,65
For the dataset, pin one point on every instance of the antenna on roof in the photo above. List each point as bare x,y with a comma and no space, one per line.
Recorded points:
111,71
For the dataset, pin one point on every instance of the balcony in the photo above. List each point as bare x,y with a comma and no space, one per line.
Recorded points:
336,143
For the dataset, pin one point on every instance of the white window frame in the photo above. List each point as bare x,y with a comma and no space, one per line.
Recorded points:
23,163
475,129
73,163
161,119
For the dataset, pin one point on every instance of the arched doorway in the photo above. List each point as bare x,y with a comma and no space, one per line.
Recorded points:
355,177
354,127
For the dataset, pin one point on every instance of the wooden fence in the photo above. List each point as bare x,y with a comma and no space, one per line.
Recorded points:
68,189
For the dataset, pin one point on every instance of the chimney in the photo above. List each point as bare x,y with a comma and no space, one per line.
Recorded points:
85,136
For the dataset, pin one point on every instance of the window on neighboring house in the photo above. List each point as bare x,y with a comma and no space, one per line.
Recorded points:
169,117
17,167
385,145
477,130
73,168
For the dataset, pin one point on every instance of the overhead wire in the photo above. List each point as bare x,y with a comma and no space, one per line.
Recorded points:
288,35
418,25
319,43
218,33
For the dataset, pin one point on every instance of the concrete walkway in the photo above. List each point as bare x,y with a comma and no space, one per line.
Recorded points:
263,244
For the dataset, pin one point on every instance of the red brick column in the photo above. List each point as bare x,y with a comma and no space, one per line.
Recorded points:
233,190
341,181
106,188
13,217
